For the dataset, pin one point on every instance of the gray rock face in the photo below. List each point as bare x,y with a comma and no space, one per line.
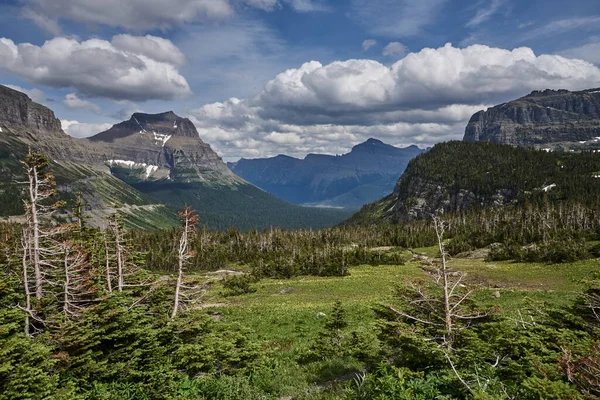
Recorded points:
160,146
542,117
17,109
417,199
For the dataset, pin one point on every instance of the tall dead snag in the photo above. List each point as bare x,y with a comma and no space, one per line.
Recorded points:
41,186
77,285
28,312
189,220
445,303
442,307
107,265
115,224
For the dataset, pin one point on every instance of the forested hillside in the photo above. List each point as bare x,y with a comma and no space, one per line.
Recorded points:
346,313
461,176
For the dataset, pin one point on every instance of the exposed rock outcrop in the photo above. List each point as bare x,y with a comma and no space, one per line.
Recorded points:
160,146
540,118
17,109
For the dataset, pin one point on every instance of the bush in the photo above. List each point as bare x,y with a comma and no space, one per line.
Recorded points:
237,285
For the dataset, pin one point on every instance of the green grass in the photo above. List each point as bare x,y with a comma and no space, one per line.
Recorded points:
283,314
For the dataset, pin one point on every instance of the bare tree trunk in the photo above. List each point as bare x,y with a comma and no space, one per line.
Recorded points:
119,249
108,277
66,284
26,281
439,231
189,220
183,244
35,225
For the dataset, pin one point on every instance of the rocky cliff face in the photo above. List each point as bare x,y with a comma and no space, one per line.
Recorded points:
150,147
18,110
540,118
365,174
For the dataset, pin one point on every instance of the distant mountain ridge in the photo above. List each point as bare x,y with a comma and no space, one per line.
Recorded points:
550,119
23,124
152,165
463,176
366,173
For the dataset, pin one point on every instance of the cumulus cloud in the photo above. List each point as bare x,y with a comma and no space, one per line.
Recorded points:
589,52
423,98
81,130
126,68
74,102
153,47
394,49
367,44
34,94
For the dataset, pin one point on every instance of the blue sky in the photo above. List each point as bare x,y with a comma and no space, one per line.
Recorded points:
382,68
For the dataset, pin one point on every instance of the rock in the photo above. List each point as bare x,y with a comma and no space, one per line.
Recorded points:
540,118
17,108
496,293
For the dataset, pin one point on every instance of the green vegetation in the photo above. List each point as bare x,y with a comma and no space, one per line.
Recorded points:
413,311
469,176
241,206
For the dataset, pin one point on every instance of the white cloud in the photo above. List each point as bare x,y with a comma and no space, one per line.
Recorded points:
138,15
74,102
81,130
395,18
394,49
589,52
562,26
98,68
423,98
485,13
308,5
367,44
34,94
144,15
153,47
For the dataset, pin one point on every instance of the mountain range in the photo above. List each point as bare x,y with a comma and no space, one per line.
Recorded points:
151,165
365,174
545,146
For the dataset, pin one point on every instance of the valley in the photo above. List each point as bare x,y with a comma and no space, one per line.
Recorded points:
137,265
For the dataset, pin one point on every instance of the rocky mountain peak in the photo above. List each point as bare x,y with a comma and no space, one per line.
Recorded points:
543,118
162,125
18,110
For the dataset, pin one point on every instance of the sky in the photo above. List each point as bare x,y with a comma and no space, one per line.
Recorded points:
266,77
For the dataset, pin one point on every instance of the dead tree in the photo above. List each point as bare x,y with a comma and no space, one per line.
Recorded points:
41,186
116,227
189,220
27,309
443,306
77,285
107,265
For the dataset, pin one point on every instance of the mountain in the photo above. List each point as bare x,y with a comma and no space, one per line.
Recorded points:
163,156
549,119
462,176
24,124
151,165
365,174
